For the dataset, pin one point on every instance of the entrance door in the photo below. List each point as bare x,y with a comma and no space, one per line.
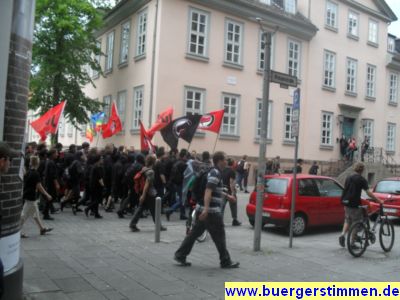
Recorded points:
348,127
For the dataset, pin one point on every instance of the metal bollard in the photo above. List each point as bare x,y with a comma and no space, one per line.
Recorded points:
158,219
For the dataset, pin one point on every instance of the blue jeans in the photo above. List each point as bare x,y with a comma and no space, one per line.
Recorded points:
176,191
239,179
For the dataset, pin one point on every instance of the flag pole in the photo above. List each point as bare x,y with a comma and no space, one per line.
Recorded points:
215,144
98,137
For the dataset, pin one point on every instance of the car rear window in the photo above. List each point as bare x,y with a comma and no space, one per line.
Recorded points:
388,186
276,186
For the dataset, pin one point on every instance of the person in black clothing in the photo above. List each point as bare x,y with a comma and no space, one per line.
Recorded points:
314,169
148,195
108,165
351,199
210,217
96,184
52,184
159,172
32,183
74,175
228,178
116,184
169,198
299,166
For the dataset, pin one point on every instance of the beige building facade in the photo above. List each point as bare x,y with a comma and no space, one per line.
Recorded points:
202,55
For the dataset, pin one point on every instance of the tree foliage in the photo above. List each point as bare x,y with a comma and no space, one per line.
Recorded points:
63,52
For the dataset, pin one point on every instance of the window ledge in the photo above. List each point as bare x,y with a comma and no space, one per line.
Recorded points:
201,58
373,44
108,71
369,98
200,134
326,147
70,134
289,143
232,65
135,131
96,77
257,140
123,65
334,29
350,94
139,57
83,134
62,135
328,88
391,103
390,152
122,132
230,137
353,37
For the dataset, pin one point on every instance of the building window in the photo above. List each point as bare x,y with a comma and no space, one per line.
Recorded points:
294,49
82,129
138,93
70,129
391,44
393,88
125,33
121,106
391,137
141,34
373,32
261,49
106,107
61,126
265,2
288,123
290,6
259,116
351,76
97,58
233,42
368,130
371,77
326,126
353,24
329,69
109,52
194,100
198,32
331,14
230,122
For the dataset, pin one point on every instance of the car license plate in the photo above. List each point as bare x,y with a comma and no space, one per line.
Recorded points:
265,214
390,210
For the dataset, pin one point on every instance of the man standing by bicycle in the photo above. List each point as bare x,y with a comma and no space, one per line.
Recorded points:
351,199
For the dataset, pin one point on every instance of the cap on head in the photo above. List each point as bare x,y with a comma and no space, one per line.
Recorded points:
7,151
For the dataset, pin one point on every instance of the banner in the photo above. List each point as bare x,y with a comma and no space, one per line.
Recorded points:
48,123
114,124
212,121
183,127
163,119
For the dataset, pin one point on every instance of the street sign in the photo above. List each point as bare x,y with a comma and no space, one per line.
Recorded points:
283,79
296,113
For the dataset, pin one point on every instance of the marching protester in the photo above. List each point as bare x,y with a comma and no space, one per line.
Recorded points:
51,181
96,186
228,178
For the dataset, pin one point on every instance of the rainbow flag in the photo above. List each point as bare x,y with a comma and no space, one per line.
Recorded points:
97,121
90,134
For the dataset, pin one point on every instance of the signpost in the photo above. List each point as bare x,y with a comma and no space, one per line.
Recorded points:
283,79
295,134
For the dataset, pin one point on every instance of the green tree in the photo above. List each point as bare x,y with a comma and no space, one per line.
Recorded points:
64,49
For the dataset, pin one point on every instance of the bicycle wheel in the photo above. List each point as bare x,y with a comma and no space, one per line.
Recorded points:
357,239
203,236
386,235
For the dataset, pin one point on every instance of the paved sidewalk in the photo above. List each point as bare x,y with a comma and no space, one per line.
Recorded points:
101,259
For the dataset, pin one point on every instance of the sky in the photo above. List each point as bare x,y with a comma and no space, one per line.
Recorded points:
394,28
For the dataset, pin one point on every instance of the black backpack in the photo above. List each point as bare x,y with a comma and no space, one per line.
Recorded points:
240,167
199,185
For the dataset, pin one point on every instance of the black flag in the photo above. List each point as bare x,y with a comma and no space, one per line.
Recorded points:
183,127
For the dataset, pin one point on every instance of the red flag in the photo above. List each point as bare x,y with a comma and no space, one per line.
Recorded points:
145,140
212,121
48,123
113,125
163,119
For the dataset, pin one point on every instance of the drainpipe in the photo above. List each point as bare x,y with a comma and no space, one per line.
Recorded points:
153,65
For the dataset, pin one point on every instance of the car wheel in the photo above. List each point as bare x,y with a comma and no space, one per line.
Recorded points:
299,224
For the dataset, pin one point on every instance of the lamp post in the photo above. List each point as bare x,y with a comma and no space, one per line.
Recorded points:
263,139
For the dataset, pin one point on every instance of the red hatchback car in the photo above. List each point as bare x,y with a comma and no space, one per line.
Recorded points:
317,202
389,191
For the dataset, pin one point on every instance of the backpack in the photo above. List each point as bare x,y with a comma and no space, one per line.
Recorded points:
139,180
240,166
199,185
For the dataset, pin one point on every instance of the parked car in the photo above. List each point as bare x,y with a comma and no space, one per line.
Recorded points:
389,191
317,202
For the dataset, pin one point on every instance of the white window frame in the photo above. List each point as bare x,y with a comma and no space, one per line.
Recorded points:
351,75
194,96
353,29
121,106
137,107
373,33
371,81
227,127
141,38
198,34
290,6
329,69
259,116
268,2
124,44
108,66
294,58
97,57
107,101
368,131
236,45
61,126
287,129
261,47
391,44
70,129
331,14
326,129
393,87
391,137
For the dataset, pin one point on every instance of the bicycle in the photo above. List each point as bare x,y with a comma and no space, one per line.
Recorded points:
361,235
192,221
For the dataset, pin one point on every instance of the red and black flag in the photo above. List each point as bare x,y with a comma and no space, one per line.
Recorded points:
145,140
183,127
212,121
48,123
163,119
114,124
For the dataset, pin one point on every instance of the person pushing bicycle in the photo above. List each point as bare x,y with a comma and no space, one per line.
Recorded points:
351,199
